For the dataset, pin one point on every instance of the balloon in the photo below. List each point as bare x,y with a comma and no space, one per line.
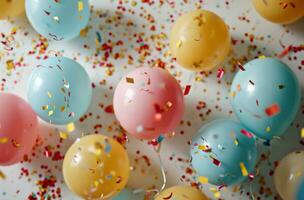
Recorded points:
59,90
58,20
11,8
266,97
300,193
181,193
281,12
128,194
223,152
289,174
96,166
18,129
200,40
148,102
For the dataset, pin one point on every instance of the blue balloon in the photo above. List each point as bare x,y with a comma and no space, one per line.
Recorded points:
300,193
58,20
59,90
128,194
266,97
224,152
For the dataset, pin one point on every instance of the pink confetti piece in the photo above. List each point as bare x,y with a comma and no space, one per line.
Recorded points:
220,73
246,133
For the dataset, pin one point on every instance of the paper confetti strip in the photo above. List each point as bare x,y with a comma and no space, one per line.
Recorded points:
243,169
246,133
187,90
272,110
203,179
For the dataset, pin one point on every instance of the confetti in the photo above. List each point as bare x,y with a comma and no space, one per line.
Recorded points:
243,169
50,113
63,135
80,6
302,133
129,80
2,175
70,127
4,140
246,133
187,90
49,94
220,73
203,179
15,143
10,65
273,110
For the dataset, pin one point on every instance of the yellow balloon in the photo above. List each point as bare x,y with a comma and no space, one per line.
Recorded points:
200,40
181,193
11,8
96,166
288,175
280,11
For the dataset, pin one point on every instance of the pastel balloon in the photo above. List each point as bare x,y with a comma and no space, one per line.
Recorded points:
200,40
281,12
261,97
148,102
18,129
59,90
58,20
300,192
223,152
11,8
289,175
129,194
181,193
96,166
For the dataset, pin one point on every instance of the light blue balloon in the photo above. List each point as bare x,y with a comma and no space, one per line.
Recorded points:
218,151
128,194
59,90
266,84
59,21
300,194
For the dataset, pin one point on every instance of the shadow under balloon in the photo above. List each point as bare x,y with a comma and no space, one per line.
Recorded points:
297,27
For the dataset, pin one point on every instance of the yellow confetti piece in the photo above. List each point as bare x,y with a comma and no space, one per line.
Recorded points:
62,108
2,175
49,94
217,194
268,129
302,133
262,57
16,144
80,6
51,112
179,44
3,140
70,127
63,135
243,169
236,142
202,147
233,94
10,65
203,179
46,107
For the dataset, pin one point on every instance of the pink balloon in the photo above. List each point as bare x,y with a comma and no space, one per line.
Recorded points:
148,102
18,129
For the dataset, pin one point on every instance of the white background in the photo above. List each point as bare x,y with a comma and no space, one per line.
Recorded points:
105,19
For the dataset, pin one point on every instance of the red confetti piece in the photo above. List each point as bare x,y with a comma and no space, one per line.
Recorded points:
246,133
272,110
240,66
220,73
109,109
285,52
216,162
187,90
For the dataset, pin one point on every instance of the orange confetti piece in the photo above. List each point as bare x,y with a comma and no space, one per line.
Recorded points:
2,175
10,65
15,143
3,140
272,110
